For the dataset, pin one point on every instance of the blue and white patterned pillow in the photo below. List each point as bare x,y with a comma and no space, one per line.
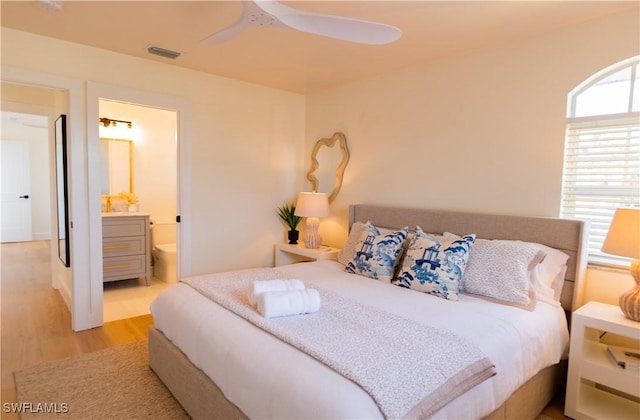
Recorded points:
435,266
377,255
349,249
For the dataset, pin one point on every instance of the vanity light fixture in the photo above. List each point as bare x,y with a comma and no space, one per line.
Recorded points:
106,122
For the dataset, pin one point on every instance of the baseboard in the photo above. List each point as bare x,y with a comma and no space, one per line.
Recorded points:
42,236
65,292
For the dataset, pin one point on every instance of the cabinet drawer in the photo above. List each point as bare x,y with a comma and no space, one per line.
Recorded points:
125,245
127,267
123,226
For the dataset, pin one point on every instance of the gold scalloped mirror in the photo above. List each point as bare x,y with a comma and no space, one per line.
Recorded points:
328,161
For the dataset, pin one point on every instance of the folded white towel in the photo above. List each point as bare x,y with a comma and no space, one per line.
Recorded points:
262,286
293,302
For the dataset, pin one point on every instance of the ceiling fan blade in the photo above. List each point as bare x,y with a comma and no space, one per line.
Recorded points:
232,30
347,29
225,34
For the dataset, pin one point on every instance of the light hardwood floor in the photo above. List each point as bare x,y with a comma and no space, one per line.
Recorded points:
36,324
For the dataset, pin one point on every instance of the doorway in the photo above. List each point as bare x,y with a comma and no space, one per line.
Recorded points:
151,162
25,191
95,93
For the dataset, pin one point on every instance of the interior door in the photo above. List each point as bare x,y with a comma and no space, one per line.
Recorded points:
15,209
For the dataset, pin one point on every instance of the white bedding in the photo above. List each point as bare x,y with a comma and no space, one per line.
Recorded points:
267,378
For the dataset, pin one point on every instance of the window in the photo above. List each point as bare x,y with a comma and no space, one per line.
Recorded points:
602,152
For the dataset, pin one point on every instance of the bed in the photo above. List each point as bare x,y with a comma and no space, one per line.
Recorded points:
219,365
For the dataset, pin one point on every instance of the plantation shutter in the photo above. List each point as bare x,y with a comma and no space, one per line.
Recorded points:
602,172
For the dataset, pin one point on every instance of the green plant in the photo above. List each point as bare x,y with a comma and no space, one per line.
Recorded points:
130,198
287,214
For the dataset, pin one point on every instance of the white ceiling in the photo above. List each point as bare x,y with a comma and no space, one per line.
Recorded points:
292,60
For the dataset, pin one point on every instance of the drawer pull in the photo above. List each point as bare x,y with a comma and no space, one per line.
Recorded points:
115,267
125,246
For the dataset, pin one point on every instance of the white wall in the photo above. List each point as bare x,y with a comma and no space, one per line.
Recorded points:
480,131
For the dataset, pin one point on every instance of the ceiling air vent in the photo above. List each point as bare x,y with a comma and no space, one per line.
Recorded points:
162,52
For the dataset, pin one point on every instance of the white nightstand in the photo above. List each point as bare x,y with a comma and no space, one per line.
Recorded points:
290,254
596,385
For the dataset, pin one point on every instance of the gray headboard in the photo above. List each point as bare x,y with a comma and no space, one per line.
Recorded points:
567,235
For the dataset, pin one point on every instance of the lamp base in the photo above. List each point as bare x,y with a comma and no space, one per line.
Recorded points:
312,238
630,300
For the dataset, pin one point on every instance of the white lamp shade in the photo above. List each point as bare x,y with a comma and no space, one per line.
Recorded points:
624,234
312,204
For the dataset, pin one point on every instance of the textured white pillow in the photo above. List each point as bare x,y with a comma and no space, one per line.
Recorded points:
501,270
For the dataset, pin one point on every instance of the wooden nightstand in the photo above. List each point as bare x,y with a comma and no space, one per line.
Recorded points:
597,388
290,254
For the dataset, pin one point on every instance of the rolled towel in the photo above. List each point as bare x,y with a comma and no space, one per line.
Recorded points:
293,302
262,286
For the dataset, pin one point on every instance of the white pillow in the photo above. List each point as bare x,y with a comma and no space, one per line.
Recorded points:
548,277
500,271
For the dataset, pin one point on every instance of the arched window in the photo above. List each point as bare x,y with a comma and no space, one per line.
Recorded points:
602,152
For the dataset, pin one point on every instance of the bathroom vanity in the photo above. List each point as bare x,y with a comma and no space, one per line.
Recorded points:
126,244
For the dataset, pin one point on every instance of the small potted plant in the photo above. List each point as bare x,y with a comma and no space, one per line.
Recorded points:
131,200
287,214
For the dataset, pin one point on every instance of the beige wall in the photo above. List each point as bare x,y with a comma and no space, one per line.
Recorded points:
480,131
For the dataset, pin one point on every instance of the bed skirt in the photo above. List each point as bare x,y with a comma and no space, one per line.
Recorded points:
202,399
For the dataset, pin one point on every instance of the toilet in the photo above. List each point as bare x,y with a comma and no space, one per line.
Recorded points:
163,251
164,263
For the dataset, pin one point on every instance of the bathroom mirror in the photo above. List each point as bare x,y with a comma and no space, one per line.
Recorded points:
328,161
116,166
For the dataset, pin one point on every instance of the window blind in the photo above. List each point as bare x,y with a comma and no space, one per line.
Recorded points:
601,173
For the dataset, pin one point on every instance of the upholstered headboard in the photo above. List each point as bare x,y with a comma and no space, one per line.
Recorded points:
567,235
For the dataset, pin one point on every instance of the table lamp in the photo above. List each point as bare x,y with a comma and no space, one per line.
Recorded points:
623,239
312,205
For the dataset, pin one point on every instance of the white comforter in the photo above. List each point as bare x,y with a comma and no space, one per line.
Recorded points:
267,378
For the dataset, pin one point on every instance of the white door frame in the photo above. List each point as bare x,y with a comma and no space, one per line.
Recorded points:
95,92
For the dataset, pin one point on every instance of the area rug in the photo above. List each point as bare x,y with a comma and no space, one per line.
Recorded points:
115,383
